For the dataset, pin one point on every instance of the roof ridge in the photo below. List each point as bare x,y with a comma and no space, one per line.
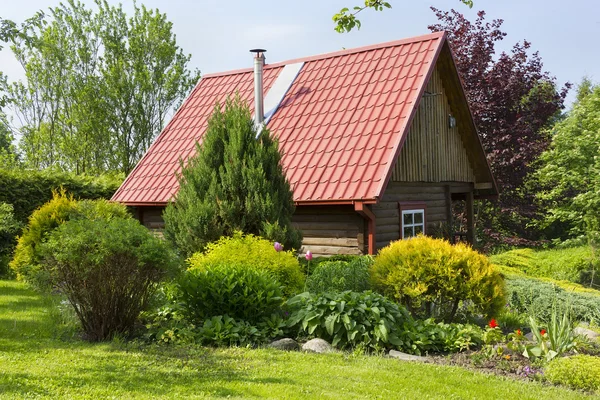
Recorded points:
338,53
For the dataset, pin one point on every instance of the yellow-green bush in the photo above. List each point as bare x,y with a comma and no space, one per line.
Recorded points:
62,208
252,252
435,279
579,372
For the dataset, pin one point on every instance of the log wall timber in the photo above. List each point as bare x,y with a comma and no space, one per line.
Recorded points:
434,152
434,195
150,217
330,230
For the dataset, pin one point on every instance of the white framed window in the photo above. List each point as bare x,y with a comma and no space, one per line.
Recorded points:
412,219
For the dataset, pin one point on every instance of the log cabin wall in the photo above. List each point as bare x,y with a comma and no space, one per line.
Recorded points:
150,217
435,196
433,152
330,230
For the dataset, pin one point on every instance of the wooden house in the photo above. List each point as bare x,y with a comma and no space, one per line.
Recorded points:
377,143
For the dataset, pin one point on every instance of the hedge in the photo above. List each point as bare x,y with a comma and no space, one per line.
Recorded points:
27,190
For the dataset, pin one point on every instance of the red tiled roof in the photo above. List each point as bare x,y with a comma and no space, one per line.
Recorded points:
340,125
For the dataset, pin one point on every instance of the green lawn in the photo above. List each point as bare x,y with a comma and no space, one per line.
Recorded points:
35,363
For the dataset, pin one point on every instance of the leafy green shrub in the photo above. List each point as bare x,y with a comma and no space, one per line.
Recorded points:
8,231
226,331
536,297
578,372
229,289
28,190
170,325
349,319
108,269
252,252
429,336
234,183
434,278
574,264
62,207
338,276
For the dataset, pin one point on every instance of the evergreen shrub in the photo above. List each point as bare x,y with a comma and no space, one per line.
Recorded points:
433,278
108,269
537,297
255,253
235,182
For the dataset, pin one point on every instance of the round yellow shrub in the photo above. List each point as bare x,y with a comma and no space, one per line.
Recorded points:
252,252
434,278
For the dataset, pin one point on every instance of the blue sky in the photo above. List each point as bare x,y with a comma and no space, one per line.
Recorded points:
219,34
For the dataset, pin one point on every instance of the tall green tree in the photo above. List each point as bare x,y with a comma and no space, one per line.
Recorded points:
234,183
570,168
99,85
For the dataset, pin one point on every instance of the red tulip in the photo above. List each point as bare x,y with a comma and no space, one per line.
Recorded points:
493,324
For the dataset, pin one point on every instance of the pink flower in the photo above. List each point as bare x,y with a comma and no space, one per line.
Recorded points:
278,247
308,255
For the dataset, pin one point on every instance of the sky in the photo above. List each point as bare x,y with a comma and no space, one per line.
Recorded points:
218,34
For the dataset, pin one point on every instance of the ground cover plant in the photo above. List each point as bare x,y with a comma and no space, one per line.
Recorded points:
35,362
579,372
574,264
531,296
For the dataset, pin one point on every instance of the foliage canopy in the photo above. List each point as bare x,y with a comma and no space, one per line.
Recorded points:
99,84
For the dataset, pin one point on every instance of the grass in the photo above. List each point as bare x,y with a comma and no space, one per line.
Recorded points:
38,359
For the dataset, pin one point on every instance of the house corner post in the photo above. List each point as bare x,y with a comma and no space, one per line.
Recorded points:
470,219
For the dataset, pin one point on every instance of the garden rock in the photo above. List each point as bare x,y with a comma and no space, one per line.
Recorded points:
588,333
406,357
286,344
317,346
529,337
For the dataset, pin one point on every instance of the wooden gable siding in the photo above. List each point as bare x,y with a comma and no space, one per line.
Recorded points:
433,152
330,230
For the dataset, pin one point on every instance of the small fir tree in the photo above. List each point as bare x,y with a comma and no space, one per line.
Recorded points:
234,183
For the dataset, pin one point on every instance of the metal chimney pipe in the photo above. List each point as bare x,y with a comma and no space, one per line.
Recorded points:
259,108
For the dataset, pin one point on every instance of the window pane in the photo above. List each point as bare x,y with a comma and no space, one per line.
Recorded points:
418,229
408,232
418,217
408,219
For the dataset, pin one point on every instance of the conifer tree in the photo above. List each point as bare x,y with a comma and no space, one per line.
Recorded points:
235,182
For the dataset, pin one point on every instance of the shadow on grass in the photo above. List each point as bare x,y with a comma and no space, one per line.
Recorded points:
146,371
